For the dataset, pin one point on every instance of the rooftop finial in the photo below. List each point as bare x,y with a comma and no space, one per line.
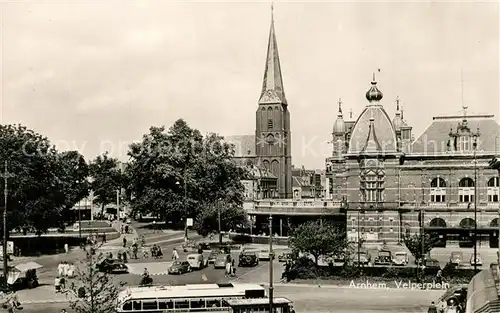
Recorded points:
373,79
464,107
397,103
272,11
340,105
350,113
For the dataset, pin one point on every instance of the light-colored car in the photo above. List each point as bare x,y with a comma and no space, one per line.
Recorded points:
196,261
400,258
264,254
456,257
221,260
363,258
478,261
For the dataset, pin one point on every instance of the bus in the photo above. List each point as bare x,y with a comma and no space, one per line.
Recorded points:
186,298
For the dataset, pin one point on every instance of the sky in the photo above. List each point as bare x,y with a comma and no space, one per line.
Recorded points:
94,76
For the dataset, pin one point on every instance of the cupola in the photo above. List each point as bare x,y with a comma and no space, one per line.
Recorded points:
339,125
374,94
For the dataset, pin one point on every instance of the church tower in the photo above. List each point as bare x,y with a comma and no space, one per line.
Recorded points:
272,131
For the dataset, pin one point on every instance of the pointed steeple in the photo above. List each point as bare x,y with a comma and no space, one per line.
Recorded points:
372,144
272,87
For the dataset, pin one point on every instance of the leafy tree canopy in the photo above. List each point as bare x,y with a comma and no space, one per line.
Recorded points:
107,178
414,244
179,173
45,183
319,239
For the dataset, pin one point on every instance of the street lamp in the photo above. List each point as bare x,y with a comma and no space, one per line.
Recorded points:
185,207
219,221
271,257
474,147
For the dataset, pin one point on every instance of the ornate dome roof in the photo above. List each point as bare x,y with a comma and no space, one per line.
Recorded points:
374,94
339,125
373,119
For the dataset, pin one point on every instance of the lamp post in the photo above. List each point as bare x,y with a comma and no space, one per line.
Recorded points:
6,175
359,242
271,257
219,221
185,207
474,146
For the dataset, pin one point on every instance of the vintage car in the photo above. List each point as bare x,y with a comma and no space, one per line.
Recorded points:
456,257
196,261
264,254
362,257
384,257
248,258
432,264
23,276
285,256
213,255
400,258
179,267
222,260
112,266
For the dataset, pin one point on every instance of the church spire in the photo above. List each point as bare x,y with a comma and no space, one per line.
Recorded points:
272,87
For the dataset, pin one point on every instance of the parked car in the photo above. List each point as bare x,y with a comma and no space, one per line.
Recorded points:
264,254
478,260
285,256
196,261
179,267
213,255
456,257
112,266
384,257
248,258
432,264
363,258
400,258
222,260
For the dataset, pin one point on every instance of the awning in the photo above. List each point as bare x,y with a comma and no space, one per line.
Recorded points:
28,266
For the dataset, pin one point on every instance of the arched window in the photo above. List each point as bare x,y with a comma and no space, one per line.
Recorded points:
438,190
493,189
466,190
270,123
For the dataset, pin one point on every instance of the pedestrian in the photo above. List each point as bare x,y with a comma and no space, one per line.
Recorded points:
66,248
122,229
439,277
71,270
175,255
228,269
126,229
57,284
124,242
124,256
233,268
134,251
60,269
432,308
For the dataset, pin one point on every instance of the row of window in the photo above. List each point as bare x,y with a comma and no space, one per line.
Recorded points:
464,182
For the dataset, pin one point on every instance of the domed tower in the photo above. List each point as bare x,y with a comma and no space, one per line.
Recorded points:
397,122
339,132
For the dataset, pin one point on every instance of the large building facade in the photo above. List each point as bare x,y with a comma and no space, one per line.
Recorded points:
395,185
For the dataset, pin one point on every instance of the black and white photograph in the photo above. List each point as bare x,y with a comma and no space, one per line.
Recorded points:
161,156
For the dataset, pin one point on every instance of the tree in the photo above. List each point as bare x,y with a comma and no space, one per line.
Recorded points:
44,185
94,291
414,244
107,179
319,239
179,173
231,217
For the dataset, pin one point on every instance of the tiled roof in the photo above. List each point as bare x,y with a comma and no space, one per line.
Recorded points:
244,145
435,138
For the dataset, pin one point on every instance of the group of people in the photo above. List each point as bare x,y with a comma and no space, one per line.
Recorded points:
65,270
285,276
